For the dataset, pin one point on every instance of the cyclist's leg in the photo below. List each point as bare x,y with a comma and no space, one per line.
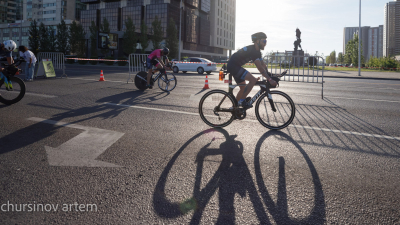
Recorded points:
149,70
241,91
252,81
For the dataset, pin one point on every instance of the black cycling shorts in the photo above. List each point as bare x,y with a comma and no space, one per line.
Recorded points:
238,72
151,62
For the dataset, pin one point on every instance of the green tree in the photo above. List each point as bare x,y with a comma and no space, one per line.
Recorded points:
77,39
328,60
351,55
62,37
93,40
340,58
105,28
52,46
143,39
332,57
130,37
34,37
172,40
73,38
158,33
43,38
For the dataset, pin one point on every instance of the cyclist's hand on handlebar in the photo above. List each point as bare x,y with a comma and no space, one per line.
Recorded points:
284,72
272,82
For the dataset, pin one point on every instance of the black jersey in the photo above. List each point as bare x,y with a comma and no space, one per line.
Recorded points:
244,55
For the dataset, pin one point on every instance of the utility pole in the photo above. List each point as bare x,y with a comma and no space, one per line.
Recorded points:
180,29
359,44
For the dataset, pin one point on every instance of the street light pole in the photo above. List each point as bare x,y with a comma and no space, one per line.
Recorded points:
180,30
359,44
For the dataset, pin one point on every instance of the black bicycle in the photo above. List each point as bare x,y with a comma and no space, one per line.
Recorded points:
274,109
12,89
166,82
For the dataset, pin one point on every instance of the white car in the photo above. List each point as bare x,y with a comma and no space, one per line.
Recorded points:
194,64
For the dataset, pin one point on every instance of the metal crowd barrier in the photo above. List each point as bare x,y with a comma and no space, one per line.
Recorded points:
57,59
308,69
135,62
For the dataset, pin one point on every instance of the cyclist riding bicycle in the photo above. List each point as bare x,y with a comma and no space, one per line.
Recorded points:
154,59
243,56
6,49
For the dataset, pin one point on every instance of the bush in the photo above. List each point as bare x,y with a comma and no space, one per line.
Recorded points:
110,63
93,62
121,63
82,62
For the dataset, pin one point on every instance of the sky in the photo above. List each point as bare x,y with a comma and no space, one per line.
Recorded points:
321,22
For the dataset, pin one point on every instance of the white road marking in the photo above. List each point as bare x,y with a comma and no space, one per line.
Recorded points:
83,149
296,126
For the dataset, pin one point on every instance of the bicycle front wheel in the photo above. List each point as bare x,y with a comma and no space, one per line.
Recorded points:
167,82
12,93
216,108
281,117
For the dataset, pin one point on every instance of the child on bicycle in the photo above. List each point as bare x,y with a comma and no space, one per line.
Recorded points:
154,59
243,56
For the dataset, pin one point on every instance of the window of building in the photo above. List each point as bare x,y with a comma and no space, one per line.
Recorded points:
94,6
159,10
113,5
87,16
135,3
135,13
112,16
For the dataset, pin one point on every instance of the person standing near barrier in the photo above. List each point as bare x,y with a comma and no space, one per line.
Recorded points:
154,59
30,59
243,56
6,49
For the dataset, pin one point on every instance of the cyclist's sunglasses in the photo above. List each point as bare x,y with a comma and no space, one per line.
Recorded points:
264,41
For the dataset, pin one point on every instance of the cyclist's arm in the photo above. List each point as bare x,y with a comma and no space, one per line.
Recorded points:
161,62
262,68
10,60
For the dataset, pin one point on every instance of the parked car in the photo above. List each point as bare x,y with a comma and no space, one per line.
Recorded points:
195,64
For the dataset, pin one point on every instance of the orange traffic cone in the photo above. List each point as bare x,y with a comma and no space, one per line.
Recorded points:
101,76
206,85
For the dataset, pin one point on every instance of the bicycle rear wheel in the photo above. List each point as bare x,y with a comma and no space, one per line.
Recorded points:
14,94
215,108
167,82
282,117
141,80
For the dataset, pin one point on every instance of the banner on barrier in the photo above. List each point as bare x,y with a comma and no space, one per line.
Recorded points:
46,68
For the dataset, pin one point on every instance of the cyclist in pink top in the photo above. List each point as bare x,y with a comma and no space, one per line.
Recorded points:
154,59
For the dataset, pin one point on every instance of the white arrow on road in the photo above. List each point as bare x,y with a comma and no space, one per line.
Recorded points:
83,149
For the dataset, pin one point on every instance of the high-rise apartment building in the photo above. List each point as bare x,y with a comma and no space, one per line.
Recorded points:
207,29
48,12
10,11
371,40
391,32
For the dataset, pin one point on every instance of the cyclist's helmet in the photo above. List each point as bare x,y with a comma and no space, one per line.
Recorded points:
258,36
165,50
10,45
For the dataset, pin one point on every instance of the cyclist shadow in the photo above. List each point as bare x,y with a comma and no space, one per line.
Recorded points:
134,97
233,177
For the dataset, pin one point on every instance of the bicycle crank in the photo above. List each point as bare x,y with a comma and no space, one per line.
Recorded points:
240,114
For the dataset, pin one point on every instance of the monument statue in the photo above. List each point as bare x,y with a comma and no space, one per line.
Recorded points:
298,40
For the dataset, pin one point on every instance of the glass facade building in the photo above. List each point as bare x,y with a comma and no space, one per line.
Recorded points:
198,21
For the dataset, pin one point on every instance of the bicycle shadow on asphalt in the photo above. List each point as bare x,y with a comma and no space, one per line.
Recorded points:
338,128
232,177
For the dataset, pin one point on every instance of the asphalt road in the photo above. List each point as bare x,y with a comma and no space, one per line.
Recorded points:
80,151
